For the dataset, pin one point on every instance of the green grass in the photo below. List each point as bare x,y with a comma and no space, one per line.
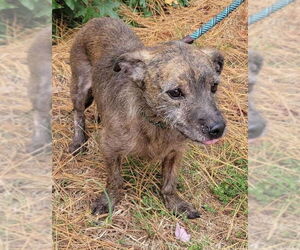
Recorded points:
208,208
197,246
235,185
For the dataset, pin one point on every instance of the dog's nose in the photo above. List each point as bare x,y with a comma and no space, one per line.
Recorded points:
216,130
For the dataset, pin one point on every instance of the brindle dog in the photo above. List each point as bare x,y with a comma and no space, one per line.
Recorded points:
150,100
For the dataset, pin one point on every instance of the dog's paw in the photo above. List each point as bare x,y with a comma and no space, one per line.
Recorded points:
103,204
187,209
193,214
181,207
100,208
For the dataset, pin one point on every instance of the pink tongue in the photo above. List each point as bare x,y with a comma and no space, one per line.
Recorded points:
210,142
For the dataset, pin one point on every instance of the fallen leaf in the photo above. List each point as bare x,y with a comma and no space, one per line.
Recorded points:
181,234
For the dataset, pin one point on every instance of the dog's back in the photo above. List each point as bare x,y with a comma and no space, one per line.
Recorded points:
100,39
103,37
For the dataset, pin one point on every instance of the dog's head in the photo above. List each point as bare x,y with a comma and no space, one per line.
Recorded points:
256,123
178,83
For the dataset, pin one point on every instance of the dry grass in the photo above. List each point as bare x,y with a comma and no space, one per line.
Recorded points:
141,220
25,181
274,161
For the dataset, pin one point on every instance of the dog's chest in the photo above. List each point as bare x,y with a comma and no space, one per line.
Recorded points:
155,143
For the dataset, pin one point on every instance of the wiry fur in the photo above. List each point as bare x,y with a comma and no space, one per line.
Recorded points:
130,83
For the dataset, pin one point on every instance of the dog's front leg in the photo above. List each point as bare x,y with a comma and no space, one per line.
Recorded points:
172,201
106,202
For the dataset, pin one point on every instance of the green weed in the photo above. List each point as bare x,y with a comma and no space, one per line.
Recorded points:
235,185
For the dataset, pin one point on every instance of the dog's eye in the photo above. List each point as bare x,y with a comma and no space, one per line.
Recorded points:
175,93
214,88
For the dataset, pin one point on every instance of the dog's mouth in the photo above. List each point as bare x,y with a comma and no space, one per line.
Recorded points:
209,142
205,141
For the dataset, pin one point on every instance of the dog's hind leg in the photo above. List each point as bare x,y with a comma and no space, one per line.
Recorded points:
82,98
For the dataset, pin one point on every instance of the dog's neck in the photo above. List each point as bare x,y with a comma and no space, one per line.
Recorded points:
141,110
155,122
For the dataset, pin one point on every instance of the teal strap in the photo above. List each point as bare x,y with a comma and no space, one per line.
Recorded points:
212,22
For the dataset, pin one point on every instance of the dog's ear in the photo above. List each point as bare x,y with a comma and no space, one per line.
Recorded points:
255,61
133,64
216,57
